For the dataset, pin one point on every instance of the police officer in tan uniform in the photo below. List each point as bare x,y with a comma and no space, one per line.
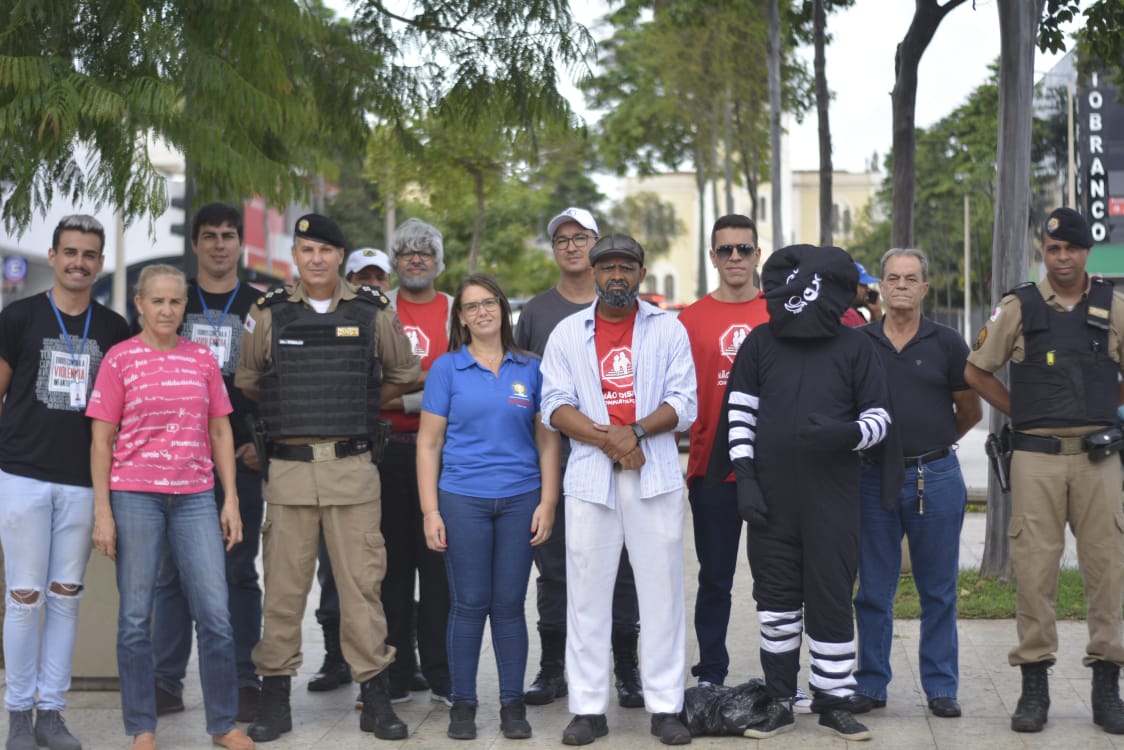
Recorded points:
1063,337
311,352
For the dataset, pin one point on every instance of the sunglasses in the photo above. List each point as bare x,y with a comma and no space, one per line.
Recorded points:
725,251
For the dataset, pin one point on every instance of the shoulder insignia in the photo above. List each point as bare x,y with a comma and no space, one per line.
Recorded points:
273,296
1098,279
980,339
1015,288
368,293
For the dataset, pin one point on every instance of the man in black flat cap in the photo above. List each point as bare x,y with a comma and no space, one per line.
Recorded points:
1064,337
310,353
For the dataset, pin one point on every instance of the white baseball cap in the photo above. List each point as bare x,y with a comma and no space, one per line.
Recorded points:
367,256
580,215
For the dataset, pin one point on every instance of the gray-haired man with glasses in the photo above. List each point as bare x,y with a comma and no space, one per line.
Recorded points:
572,233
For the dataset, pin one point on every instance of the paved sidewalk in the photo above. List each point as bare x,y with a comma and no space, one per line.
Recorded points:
989,689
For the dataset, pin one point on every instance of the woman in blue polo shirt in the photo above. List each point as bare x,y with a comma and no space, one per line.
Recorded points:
488,475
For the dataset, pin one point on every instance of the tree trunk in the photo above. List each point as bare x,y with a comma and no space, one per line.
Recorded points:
903,100
775,119
1018,26
478,225
703,243
823,103
728,153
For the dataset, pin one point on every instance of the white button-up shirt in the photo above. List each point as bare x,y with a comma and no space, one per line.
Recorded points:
663,373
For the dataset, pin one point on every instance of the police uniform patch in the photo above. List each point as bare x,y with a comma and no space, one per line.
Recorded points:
398,327
982,337
1052,224
302,225
347,331
995,314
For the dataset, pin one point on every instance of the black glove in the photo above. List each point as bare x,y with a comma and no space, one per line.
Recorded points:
751,504
827,434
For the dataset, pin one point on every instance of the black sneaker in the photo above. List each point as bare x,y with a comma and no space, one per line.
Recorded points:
670,729
51,732
857,703
167,703
418,682
462,721
584,729
842,723
513,721
778,720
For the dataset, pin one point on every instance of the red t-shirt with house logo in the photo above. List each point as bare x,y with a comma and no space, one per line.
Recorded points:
425,326
716,331
614,361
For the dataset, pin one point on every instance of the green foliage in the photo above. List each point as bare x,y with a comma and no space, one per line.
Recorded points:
650,221
215,79
986,599
956,157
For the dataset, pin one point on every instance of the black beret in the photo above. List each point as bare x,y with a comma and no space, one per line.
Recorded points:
616,244
321,229
1070,226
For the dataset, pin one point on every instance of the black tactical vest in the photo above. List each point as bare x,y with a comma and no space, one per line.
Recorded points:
1067,378
324,378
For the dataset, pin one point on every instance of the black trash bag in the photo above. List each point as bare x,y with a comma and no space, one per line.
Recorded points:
718,710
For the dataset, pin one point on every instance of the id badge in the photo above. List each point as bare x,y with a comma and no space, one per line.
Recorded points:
78,394
220,352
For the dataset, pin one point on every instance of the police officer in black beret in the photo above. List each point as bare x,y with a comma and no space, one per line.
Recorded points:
313,353
1064,338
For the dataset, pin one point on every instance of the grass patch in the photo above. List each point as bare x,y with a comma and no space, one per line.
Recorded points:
985,599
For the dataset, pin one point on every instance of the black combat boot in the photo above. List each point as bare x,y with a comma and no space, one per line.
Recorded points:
334,672
377,715
1034,703
274,715
551,681
1108,711
626,666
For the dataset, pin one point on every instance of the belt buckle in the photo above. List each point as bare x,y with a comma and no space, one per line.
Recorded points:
323,452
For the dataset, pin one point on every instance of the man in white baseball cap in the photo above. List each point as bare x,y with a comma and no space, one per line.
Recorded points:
370,266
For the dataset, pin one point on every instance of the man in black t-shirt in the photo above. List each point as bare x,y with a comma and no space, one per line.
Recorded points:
51,345
217,305
932,407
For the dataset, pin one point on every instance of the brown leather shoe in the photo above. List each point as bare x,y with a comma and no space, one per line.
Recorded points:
145,741
235,739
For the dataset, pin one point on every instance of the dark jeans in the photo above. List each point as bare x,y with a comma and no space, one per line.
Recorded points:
550,559
408,557
489,564
934,552
718,530
172,618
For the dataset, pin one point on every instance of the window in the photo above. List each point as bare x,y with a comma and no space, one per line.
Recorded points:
669,287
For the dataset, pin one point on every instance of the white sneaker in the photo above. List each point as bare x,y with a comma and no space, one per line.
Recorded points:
801,703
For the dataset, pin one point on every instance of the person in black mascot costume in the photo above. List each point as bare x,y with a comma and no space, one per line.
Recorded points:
805,396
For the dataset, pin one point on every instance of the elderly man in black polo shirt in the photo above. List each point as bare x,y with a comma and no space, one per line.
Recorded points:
933,407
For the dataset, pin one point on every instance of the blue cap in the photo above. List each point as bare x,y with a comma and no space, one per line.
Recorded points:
864,277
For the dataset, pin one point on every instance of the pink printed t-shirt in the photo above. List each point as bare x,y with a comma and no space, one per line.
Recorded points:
162,403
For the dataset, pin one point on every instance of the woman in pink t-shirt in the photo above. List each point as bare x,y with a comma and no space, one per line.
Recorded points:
162,398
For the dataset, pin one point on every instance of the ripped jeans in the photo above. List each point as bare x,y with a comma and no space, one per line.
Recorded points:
46,532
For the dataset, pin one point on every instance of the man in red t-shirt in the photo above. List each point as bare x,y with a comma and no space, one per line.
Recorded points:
418,257
716,326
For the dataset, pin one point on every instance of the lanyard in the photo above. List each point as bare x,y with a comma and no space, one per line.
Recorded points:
215,327
65,335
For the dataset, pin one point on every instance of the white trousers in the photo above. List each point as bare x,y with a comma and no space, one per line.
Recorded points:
652,531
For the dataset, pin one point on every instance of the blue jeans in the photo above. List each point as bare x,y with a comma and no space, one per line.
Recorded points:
188,527
45,529
488,562
171,623
718,531
934,549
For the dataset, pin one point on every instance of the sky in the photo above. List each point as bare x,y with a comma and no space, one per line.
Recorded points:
860,73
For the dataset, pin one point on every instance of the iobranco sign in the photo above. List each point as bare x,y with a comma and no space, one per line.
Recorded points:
1100,158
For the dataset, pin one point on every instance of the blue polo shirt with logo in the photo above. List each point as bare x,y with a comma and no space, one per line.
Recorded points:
489,446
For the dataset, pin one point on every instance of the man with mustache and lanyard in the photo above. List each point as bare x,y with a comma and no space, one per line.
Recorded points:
51,346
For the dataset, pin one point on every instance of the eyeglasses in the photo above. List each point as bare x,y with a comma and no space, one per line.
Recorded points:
491,304
579,240
424,254
724,252
614,267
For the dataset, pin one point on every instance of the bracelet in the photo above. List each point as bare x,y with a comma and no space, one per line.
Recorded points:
430,513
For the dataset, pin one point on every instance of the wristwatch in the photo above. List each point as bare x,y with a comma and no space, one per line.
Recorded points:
639,431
